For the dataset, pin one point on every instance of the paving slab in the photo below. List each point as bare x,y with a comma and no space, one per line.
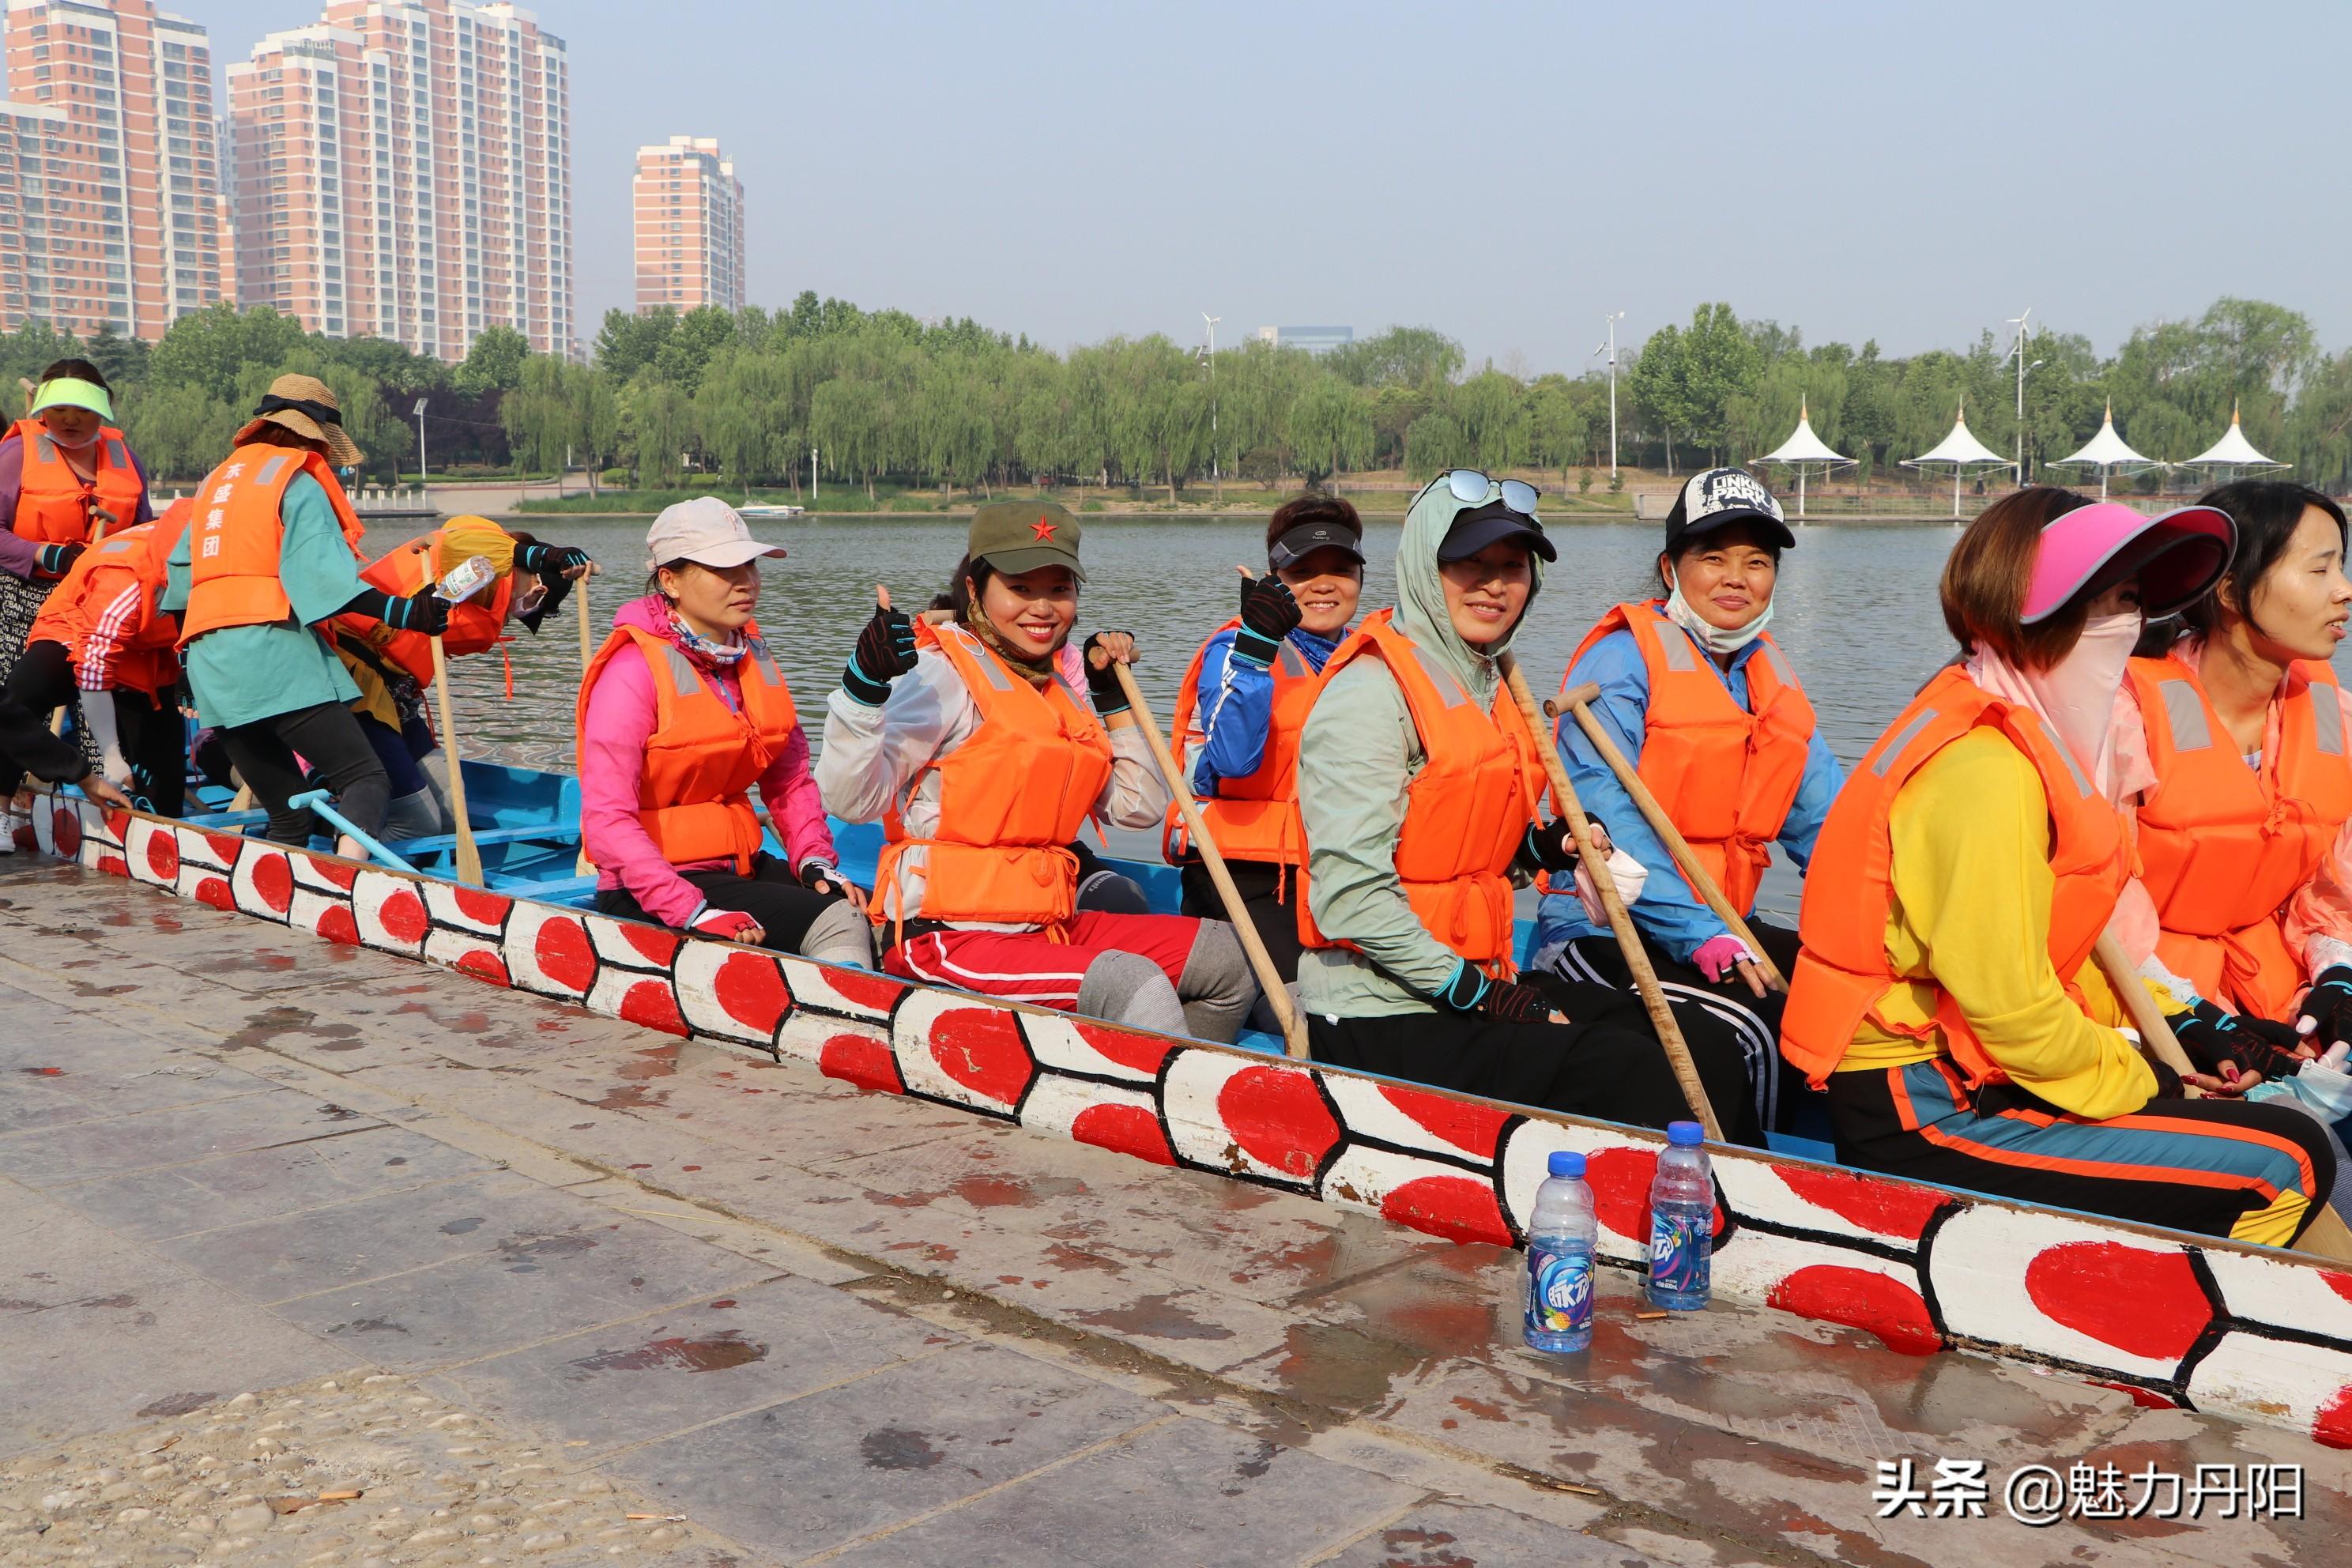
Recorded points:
1450,1535
802,1476
267,1118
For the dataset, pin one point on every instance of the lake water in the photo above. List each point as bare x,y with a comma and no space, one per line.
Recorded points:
1856,612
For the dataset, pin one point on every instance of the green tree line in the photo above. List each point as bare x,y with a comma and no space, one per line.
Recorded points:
878,395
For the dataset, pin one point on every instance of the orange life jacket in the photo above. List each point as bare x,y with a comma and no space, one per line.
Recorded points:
703,756
1012,797
1843,968
235,533
144,657
2222,847
1726,774
54,504
1467,812
1250,819
474,626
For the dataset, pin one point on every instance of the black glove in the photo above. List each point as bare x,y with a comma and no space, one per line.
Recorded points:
2327,1008
1269,614
546,561
1548,846
56,560
1102,684
2214,1037
1515,1004
556,590
2167,1082
819,877
885,651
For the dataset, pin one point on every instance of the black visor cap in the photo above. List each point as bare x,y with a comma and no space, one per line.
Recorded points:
1479,527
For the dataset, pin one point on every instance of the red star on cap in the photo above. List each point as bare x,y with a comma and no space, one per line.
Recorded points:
1042,529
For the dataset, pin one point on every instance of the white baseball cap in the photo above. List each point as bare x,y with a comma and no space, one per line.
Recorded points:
707,531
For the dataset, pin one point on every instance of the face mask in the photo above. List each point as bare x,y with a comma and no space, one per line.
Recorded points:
72,446
2077,694
1714,639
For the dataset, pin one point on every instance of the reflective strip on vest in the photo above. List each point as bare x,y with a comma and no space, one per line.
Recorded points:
1449,690
269,469
1887,758
1676,648
1771,653
2327,719
2066,755
2184,714
683,675
115,455
991,667
1291,662
47,449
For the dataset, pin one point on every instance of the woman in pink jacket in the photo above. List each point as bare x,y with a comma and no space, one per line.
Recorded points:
681,712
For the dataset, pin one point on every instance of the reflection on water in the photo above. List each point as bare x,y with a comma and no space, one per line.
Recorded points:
1856,611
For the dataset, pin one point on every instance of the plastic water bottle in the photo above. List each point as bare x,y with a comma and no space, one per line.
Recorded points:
467,578
1562,1234
1682,1222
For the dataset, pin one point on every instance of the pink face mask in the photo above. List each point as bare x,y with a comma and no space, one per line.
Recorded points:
2076,694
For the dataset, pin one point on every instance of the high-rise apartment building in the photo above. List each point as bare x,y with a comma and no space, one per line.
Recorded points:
689,226
402,168
115,177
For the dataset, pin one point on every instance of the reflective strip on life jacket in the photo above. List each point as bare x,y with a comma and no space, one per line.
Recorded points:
54,504
2224,847
1012,797
1726,775
236,531
1843,969
703,755
1250,818
1467,812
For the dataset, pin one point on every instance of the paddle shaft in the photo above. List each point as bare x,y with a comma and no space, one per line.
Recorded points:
584,865
1293,1027
470,855
1577,702
1620,919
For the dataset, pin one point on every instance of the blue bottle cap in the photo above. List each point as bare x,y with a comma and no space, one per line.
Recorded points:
1565,1162
1686,1134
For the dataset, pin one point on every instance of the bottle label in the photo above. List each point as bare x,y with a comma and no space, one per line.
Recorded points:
1679,1248
1559,1291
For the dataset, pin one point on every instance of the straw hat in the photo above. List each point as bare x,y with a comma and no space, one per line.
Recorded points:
308,407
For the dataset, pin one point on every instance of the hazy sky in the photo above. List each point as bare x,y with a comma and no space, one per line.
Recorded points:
1915,172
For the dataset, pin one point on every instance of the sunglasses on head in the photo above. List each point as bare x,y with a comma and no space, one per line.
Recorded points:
1471,487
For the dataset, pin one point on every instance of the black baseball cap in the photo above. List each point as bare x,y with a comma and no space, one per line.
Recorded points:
1719,497
1307,538
1480,526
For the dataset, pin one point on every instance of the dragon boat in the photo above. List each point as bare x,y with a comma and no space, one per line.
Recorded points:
2248,1332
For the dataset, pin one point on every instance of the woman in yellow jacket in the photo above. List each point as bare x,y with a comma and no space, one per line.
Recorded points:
1945,994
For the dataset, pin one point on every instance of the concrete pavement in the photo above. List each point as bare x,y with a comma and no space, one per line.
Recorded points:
639,1277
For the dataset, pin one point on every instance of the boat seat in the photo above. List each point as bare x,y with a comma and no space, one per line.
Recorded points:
578,891
1259,1040
532,833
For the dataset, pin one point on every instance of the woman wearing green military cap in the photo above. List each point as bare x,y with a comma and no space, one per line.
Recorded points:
984,757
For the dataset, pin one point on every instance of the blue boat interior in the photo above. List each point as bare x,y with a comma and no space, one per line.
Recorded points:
527,828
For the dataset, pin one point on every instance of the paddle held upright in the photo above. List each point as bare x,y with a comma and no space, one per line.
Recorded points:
470,855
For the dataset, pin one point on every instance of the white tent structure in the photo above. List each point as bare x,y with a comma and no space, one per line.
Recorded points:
1963,451
2233,451
1803,446
2106,452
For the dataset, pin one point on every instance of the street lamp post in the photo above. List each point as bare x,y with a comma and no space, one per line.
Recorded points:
1612,320
1217,469
2018,348
419,412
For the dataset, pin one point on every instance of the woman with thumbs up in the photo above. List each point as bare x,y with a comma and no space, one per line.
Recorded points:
681,712
984,757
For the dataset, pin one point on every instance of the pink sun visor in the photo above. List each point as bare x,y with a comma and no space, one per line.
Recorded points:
2177,555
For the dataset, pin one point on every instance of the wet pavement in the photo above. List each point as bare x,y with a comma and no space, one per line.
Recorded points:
823,1325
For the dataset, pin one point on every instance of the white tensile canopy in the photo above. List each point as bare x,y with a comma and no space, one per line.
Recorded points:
1803,446
2233,451
2106,452
1963,451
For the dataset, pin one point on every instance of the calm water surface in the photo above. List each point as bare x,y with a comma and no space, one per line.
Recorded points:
1856,612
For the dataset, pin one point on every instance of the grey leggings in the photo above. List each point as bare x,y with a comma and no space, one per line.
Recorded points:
1209,1002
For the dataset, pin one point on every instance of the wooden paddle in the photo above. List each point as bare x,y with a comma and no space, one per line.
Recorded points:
1576,702
470,855
584,865
1293,1027
1620,919
2327,1236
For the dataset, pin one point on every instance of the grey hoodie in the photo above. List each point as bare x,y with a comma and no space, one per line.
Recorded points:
1355,755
